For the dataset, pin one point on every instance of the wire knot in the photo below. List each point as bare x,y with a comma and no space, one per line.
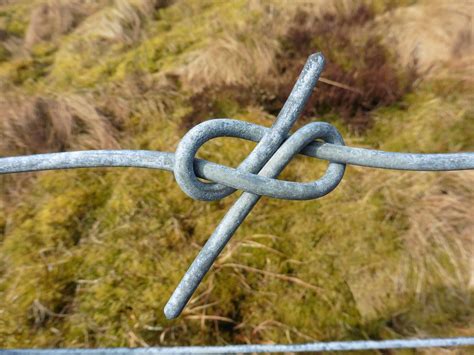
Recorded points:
245,178
256,175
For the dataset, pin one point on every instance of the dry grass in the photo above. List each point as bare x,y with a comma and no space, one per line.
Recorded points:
98,47
456,74
228,61
432,32
359,77
53,18
246,56
361,71
365,69
433,213
229,58
121,22
148,7
139,101
48,124
441,221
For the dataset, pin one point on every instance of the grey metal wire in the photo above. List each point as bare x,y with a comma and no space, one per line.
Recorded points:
264,348
256,176
222,174
260,162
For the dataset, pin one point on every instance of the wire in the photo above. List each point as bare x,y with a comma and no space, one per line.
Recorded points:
270,348
256,176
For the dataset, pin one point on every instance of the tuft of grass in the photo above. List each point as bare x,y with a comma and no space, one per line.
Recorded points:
44,124
361,73
229,60
51,19
361,70
430,32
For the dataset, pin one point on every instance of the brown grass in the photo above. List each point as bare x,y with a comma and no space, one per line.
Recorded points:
233,59
52,18
442,221
42,124
217,102
138,101
360,75
456,74
121,22
373,60
361,68
433,32
148,7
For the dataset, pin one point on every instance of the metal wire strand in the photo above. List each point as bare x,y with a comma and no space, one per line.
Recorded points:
207,170
222,174
265,348
256,175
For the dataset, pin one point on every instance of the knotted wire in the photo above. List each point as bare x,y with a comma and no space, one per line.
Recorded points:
256,175
260,160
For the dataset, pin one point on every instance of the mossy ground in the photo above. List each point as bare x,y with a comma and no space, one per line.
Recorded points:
88,258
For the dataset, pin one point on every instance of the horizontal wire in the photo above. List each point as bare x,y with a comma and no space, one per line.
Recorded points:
271,348
272,153
256,176
236,178
165,160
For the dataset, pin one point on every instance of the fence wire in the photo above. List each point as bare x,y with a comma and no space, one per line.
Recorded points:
256,177
270,348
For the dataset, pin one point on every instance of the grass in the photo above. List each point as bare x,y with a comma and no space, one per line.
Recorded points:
47,123
89,257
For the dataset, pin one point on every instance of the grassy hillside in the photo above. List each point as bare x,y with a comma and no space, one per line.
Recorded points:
88,258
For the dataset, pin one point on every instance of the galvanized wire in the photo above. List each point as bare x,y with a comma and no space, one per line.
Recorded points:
264,348
256,175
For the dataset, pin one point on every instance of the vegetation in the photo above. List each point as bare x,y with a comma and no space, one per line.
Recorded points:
88,258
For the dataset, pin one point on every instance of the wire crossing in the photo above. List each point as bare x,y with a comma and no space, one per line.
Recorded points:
256,176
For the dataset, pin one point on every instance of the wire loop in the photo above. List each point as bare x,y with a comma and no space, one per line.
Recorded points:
256,175
261,184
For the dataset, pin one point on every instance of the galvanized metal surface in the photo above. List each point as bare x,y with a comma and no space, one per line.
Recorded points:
269,348
208,170
256,175
268,146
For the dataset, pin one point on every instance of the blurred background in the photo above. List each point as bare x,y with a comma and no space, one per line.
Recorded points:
88,258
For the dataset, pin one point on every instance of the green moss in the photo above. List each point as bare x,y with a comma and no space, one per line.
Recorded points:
4,54
14,17
426,123
43,49
29,70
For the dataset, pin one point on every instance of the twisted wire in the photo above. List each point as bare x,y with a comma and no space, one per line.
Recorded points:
256,175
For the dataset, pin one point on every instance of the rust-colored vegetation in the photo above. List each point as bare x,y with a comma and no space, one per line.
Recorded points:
361,73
